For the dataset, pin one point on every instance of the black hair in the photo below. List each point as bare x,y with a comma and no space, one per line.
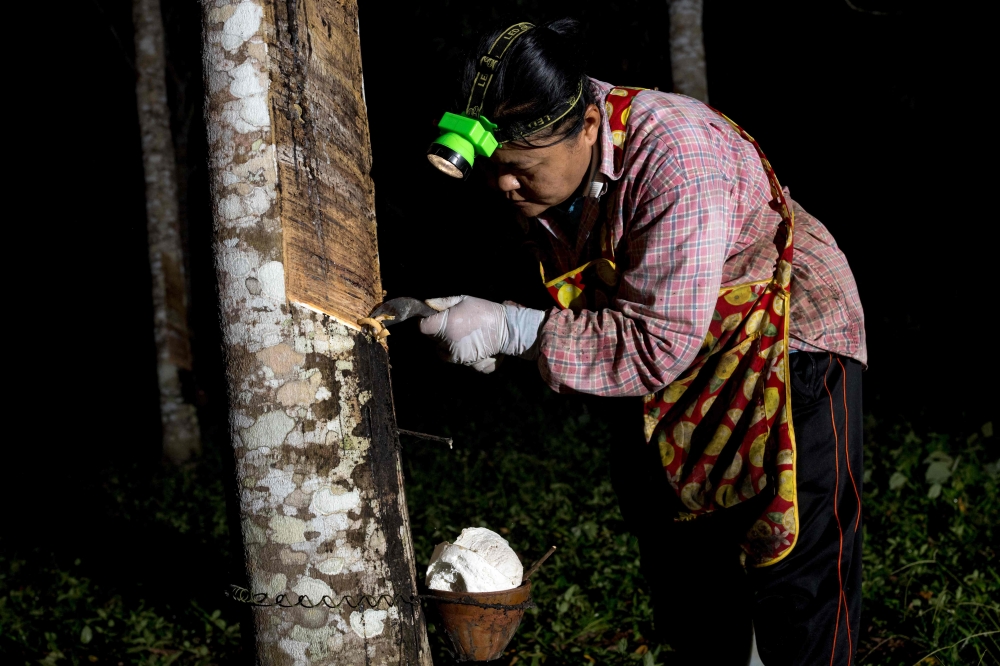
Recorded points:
540,72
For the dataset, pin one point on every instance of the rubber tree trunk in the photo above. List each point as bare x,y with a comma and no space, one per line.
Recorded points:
687,49
181,438
312,421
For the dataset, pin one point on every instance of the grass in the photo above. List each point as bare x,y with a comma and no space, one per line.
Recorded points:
57,616
143,586
931,584
541,481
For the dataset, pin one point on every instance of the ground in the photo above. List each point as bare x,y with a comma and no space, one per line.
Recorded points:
931,583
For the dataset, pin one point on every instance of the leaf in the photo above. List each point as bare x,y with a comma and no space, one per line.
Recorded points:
993,469
776,517
897,481
938,456
87,634
938,472
988,429
172,658
934,491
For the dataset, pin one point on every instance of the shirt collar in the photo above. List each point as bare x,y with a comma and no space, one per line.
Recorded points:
596,182
606,171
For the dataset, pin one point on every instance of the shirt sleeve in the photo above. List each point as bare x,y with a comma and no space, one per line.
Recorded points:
670,260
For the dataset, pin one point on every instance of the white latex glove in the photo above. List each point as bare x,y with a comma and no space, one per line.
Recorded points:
473,331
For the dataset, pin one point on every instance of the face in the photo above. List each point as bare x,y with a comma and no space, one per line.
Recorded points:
533,179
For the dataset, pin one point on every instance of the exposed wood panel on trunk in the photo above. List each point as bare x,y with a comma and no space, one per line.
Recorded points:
326,197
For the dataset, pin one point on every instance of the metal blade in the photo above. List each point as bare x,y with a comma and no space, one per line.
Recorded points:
401,309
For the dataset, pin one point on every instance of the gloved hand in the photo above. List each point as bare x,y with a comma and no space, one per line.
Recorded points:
473,331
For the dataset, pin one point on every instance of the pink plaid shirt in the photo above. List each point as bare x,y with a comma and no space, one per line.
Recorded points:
689,214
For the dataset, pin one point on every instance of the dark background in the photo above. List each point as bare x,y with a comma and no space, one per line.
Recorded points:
875,121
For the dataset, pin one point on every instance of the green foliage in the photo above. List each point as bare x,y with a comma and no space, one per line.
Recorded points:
54,611
931,587
541,480
931,583
51,616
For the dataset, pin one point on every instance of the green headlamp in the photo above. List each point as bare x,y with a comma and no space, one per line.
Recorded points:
461,140
463,136
469,134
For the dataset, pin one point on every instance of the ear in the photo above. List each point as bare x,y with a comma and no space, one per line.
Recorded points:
591,124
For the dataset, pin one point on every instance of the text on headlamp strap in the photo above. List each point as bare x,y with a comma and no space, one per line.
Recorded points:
488,63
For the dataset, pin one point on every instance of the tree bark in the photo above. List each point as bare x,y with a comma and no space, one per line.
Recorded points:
312,420
181,437
687,49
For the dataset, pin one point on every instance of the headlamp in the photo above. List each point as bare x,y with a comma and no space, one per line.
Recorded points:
463,136
469,134
461,140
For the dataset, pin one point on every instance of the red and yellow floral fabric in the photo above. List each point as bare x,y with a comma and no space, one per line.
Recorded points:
723,428
571,290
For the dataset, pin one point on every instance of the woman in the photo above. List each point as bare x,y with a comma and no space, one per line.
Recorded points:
683,274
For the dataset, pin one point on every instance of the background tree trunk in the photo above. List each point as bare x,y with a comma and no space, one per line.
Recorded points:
312,420
687,49
181,438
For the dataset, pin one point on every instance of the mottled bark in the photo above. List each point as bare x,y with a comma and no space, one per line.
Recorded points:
312,420
181,437
687,49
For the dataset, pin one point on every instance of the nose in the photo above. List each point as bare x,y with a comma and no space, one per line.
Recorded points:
508,183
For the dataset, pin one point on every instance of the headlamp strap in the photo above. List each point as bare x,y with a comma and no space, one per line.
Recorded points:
488,64
485,68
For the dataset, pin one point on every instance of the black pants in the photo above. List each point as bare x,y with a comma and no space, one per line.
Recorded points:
806,607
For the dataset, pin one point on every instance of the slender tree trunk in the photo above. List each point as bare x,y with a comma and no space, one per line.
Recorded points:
687,49
181,437
312,420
